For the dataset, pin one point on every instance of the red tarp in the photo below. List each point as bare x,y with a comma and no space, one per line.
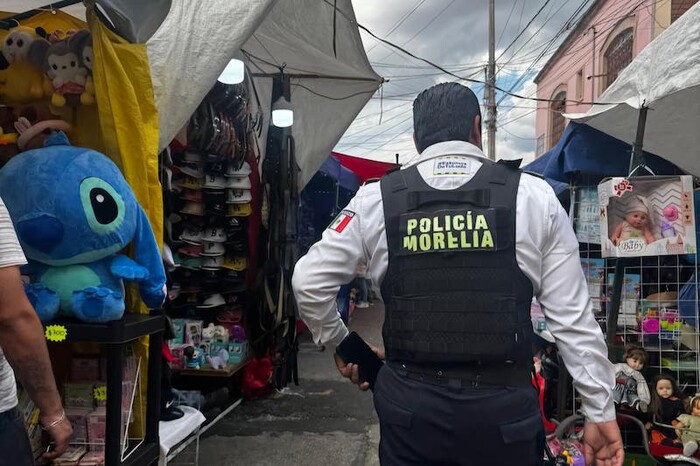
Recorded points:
363,168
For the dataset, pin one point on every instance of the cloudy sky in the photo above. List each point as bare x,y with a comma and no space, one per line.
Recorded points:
453,34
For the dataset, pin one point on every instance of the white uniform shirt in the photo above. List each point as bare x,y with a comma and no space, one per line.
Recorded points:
10,255
546,251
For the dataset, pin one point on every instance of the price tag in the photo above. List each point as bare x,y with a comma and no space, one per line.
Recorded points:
99,393
56,333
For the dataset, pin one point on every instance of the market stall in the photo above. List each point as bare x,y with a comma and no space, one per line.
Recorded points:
146,95
634,214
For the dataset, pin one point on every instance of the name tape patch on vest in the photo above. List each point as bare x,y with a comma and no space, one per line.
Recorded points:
448,231
342,220
452,166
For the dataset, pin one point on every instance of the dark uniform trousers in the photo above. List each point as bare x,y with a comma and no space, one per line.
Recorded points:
434,424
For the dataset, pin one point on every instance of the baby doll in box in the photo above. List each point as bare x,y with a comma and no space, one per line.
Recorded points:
630,386
636,224
73,212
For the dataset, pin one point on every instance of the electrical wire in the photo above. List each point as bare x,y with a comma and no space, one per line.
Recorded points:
612,21
399,23
420,31
544,5
512,9
330,97
461,78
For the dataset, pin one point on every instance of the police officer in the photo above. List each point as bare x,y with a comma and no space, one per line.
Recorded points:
460,245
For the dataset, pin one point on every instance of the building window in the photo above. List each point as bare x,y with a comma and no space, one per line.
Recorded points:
579,85
557,120
618,55
678,7
540,146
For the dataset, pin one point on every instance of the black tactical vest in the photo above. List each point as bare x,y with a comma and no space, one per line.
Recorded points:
454,294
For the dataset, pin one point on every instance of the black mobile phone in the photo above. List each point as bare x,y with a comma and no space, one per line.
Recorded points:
354,350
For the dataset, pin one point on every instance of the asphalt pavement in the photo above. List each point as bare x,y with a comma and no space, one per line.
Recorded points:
324,420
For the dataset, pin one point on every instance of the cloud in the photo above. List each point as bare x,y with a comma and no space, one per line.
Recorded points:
454,34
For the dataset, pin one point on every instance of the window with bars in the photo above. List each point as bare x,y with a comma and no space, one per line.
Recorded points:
558,122
618,55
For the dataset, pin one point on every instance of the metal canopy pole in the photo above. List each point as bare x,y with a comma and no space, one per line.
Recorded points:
636,161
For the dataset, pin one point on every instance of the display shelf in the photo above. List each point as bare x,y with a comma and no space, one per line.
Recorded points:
115,336
228,372
128,328
146,453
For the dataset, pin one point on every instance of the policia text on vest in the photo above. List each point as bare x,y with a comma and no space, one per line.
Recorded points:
448,230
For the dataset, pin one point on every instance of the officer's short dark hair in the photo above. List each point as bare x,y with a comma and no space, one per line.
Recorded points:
444,112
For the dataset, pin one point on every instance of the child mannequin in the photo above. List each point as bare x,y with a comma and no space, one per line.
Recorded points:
666,405
690,438
637,222
630,386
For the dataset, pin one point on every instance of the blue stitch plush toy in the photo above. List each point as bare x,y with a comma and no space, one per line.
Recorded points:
73,212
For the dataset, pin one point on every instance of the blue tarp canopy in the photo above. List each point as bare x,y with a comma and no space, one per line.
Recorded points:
329,190
347,179
583,150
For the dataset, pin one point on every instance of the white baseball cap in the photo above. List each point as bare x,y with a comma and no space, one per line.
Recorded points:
215,235
214,182
238,196
213,249
192,235
245,170
211,301
213,263
238,183
192,169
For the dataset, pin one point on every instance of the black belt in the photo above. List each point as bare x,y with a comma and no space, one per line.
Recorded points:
463,376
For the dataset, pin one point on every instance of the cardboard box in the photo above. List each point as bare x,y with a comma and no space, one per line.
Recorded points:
179,330
78,418
78,395
97,426
84,370
647,216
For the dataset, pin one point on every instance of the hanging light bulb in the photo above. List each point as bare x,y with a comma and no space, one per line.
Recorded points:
233,73
282,113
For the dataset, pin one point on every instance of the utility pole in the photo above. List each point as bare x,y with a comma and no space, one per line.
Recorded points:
491,83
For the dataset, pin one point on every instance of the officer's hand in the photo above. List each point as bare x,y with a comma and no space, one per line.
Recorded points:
378,351
350,371
603,444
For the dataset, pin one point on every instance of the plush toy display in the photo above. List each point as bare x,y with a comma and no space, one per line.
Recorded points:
73,212
21,79
62,64
81,42
194,358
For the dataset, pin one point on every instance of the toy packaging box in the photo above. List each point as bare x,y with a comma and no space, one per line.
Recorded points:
585,214
647,216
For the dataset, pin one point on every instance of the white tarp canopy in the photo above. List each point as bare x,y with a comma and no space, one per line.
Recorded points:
192,46
665,77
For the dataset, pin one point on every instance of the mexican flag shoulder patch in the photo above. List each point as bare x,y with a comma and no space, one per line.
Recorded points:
342,221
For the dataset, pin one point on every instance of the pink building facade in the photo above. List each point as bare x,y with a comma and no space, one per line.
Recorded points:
607,38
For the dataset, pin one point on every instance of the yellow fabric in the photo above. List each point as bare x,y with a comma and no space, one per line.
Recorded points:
128,121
